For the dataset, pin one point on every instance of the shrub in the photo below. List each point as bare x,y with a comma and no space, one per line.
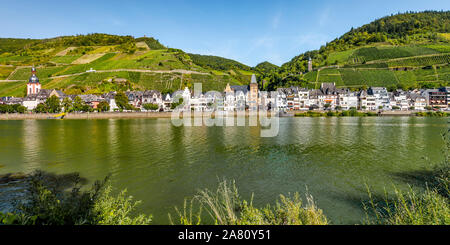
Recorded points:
48,201
225,207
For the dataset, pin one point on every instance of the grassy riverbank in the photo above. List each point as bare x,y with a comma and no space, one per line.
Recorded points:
351,113
354,113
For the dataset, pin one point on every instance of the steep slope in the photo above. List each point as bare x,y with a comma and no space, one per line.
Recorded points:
141,63
405,50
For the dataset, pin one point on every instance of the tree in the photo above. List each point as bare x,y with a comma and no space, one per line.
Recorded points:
78,104
176,104
122,101
53,104
151,107
67,104
40,108
103,106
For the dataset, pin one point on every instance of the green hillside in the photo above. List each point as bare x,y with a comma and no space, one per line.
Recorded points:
121,63
410,50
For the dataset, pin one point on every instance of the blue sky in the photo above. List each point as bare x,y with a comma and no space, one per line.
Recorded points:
250,31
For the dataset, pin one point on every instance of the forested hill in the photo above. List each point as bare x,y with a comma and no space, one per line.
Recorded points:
404,42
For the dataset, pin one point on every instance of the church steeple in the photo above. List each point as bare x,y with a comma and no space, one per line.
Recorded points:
33,85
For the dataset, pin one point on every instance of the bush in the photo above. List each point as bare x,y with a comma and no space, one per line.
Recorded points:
50,202
151,107
16,108
225,207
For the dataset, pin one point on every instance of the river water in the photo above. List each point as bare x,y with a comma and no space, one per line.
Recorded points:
160,164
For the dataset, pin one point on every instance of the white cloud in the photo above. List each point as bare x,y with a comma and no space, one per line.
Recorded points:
324,16
276,21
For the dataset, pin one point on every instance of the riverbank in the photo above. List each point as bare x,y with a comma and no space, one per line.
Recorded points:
131,115
370,114
110,115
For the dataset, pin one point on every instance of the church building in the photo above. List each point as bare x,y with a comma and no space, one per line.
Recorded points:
33,85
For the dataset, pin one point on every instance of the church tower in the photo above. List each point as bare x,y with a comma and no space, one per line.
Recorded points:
33,85
253,95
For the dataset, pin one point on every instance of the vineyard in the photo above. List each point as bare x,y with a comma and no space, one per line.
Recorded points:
389,52
379,77
421,61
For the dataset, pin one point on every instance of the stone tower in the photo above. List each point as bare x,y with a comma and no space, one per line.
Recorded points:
310,66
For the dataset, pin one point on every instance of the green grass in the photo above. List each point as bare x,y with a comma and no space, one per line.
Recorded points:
65,59
340,57
14,59
5,71
12,88
25,73
442,48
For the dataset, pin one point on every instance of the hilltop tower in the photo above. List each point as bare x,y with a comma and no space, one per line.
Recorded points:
33,85
310,65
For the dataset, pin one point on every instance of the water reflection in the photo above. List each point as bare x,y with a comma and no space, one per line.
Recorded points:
162,164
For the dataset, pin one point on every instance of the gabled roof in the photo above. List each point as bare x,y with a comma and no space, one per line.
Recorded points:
328,88
238,88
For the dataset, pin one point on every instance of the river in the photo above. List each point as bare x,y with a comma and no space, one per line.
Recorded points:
160,164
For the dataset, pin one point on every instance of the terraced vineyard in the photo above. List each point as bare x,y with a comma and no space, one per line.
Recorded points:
421,61
161,69
383,65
